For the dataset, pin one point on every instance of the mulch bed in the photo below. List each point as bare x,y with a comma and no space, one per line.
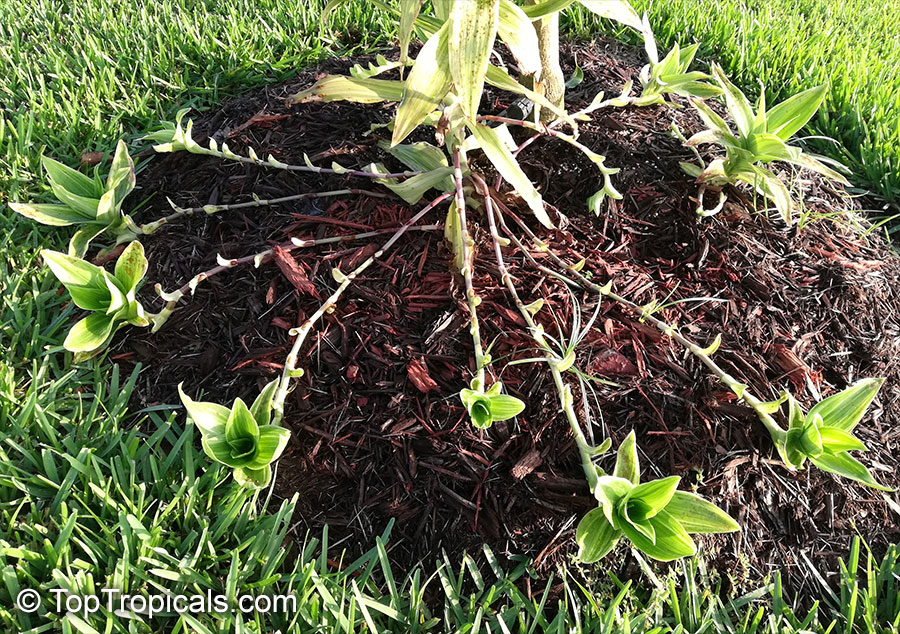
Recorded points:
378,430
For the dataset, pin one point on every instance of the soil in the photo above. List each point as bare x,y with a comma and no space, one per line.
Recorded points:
378,430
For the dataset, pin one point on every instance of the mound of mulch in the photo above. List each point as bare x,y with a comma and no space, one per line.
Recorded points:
378,430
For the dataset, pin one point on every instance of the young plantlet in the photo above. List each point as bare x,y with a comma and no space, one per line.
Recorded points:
110,298
241,437
762,138
654,516
825,434
671,75
93,204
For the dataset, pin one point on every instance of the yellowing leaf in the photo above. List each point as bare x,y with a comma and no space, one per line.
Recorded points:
494,148
499,78
355,89
473,28
618,10
518,34
409,10
428,82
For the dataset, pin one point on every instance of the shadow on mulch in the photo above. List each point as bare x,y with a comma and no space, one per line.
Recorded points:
378,431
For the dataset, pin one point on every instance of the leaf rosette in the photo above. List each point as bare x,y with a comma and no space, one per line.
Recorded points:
241,437
92,204
487,407
654,516
824,435
762,137
110,297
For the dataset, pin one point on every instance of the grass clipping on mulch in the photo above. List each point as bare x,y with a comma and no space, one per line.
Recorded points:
378,429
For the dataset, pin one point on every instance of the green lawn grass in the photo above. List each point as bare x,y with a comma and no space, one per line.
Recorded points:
94,496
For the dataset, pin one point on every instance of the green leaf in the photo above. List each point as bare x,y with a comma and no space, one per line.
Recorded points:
697,515
768,147
712,120
473,28
442,8
504,407
73,271
480,414
655,494
692,88
210,418
425,87
117,299
785,119
794,451
493,147
70,180
617,10
454,237
771,187
545,7
253,478
517,32
91,333
845,409
815,164
358,90
92,298
219,449
121,178
595,536
627,464
262,406
836,440
414,188
738,105
421,156
272,441
53,215
241,424
845,465
409,10
609,491
81,239
672,540
811,440
87,207
131,266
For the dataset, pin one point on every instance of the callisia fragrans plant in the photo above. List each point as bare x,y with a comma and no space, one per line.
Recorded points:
442,89
241,437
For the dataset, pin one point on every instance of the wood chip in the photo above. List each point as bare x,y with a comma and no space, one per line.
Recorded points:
293,272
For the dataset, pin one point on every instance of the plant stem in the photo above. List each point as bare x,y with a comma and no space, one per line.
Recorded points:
290,363
565,393
467,258
259,258
180,212
739,389
227,154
